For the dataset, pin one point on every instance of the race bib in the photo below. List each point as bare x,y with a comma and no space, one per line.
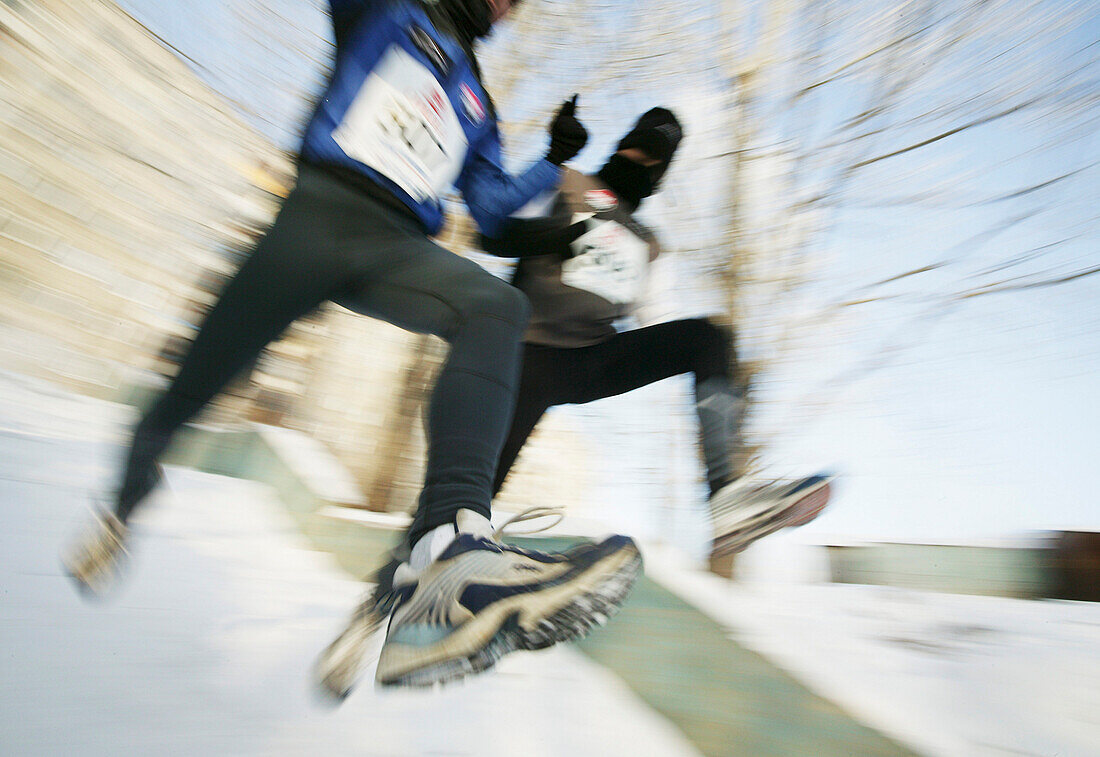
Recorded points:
402,125
609,260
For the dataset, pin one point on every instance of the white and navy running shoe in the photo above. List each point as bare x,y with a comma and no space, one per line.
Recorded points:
744,511
481,599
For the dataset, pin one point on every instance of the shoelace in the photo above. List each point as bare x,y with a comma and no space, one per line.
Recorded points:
531,513
382,598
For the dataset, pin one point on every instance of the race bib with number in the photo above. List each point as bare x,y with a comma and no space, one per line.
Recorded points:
402,125
609,260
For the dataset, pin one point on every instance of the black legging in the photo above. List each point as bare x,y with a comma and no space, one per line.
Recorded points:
333,242
629,360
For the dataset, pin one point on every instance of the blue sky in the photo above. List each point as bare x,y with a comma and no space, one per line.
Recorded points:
983,422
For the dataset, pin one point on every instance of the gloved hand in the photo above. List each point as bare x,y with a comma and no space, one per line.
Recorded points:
567,134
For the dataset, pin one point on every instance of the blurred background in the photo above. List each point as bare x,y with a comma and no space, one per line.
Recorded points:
893,205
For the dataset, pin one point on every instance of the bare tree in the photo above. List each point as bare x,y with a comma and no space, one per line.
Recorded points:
965,113
804,116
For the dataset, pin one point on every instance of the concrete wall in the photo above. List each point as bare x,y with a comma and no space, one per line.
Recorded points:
1005,571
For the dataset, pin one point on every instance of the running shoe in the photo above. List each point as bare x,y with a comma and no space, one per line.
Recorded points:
93,561
744,511
481,599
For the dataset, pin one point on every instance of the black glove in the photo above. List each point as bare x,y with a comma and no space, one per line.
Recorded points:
532,237
567,134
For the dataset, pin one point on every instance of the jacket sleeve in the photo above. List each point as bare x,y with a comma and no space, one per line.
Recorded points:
492,194
528,237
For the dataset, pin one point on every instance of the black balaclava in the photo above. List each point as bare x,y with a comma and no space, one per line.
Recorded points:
658,134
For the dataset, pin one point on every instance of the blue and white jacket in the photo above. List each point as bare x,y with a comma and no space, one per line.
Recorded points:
405,109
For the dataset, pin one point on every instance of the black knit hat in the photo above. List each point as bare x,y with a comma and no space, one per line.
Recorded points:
657,132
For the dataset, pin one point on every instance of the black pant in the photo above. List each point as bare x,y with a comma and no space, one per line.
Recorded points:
333,242
629,360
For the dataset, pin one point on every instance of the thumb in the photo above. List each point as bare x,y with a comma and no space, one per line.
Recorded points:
570,106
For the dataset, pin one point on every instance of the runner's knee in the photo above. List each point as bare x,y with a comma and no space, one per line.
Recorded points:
713,346
497,300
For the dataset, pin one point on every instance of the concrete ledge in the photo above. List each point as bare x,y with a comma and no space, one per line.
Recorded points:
316,490
1024,572
727,699
723,697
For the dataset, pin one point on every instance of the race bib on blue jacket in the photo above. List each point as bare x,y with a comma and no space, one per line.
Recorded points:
402,124
404,108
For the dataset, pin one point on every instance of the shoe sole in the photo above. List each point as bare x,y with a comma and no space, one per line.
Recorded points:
566,618
812,504
811,501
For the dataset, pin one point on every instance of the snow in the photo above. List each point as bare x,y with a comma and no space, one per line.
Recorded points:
947,674
207,646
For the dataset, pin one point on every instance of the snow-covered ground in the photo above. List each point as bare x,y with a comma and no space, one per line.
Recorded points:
947,674
207,647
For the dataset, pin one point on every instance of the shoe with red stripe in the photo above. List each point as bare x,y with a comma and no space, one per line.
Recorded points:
743,512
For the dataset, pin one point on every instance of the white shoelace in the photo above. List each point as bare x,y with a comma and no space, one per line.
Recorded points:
430,546
531,513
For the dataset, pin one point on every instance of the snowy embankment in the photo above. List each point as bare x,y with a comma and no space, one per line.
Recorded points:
946,674
207,646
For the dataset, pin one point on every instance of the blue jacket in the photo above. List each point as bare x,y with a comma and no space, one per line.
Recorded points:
405,109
